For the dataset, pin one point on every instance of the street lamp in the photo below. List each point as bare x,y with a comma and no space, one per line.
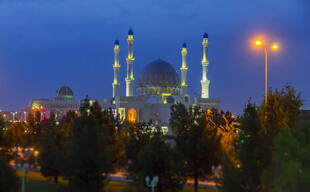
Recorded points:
152,184
266,47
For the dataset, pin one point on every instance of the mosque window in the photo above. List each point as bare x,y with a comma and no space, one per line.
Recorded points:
186,99
157,122
132,115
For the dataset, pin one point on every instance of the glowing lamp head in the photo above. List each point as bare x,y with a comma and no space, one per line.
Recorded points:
275,47
258,43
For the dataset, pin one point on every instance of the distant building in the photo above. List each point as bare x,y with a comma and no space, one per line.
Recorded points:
9,115
63,102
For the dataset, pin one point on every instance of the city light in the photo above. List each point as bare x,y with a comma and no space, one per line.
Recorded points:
258,43
266,46
275,46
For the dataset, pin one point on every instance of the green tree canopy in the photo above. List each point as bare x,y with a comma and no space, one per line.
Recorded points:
91,154
197,140
150,154
8,179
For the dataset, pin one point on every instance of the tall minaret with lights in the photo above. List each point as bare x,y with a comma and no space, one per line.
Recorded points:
116,66
130,59
184,69
205,82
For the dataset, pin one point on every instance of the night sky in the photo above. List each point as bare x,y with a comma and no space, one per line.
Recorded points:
45,44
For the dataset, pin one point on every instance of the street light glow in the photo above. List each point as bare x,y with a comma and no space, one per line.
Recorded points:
275,46
258,43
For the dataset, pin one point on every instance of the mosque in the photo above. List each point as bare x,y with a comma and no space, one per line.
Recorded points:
158,87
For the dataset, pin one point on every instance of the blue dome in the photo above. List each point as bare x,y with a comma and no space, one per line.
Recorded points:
159,73
64,92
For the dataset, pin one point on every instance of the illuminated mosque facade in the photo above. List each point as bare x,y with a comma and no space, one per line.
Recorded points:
158,87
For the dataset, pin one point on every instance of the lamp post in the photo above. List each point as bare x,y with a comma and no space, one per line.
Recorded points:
25,169
274,46
153,183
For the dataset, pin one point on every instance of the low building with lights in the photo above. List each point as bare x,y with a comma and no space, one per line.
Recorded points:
9,116
63,102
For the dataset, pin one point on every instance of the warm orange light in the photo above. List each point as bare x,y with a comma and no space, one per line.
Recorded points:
275,46
258,43
132,115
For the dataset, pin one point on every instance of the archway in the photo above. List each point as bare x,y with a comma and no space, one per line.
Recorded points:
132,115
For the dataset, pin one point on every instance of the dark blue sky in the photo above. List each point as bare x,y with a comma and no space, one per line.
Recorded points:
46,44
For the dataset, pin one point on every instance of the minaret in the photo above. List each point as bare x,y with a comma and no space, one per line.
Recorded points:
130,59
184,70
116,66
205,62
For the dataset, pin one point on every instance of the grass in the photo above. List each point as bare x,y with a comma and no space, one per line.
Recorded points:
37,183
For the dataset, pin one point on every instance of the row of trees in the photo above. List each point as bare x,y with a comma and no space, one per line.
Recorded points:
273,147
86,149
265,149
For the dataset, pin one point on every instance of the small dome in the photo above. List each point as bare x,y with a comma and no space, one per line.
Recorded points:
159,73
64,92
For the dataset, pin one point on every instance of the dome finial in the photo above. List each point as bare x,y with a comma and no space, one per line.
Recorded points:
130,32
116,42
205,35
184,45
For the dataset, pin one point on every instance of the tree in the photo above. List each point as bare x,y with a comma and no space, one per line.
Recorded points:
290,162
33,129
50,149
265,134
8,179
54,145
91,153
196,140
150,154
2,131
16,134
285,163
245,173
282,111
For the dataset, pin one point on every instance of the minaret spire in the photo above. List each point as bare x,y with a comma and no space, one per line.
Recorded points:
116,66
184,69
130,59
205,82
